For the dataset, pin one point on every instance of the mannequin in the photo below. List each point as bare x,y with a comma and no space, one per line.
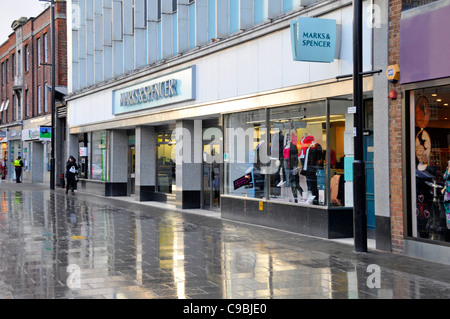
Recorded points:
276,152
446,192
312,161
305,142
290,163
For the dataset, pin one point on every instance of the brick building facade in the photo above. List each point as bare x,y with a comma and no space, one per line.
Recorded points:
25,91
395,132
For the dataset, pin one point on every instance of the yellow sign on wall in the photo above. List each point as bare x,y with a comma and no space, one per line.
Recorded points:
393,73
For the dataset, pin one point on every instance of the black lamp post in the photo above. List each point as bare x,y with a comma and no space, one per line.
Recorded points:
359,169
53,65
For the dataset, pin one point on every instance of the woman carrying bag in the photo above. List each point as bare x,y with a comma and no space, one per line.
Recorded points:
71,173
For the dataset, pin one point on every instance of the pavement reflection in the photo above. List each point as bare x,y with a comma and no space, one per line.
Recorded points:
54,245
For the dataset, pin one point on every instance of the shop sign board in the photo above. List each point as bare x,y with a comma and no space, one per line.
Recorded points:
14,135
41,133
164,90
45,133
314,39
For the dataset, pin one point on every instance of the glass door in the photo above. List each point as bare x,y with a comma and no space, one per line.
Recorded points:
211,175
166,166
131,169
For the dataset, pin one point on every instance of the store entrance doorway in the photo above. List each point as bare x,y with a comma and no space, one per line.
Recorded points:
131,170
212,168
131,162
368,160
211,186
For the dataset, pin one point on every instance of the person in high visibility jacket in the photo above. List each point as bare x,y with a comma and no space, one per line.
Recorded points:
18,164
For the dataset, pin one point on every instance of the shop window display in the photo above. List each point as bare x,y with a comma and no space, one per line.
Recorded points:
299,133
288,162
430,161
341,153
99,159
83,155
245,154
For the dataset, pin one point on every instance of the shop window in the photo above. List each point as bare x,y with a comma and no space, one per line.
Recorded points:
299,134
430,163
99,158
245,158
289,162
83,155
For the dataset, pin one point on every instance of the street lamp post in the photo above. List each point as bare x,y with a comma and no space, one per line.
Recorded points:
52,155
359,174
53,65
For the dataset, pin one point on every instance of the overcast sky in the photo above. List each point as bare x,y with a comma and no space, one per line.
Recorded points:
13,10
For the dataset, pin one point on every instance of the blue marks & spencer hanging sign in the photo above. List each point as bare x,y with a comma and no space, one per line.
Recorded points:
169,89
314,39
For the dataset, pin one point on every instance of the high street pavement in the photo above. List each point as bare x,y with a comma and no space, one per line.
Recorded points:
58,246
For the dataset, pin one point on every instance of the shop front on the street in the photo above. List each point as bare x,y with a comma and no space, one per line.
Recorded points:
426,87
243,126
14,138
36,142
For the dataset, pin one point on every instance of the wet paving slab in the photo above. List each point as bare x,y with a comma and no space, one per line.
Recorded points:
57,246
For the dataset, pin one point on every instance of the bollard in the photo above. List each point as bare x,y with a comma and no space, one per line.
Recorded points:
62,181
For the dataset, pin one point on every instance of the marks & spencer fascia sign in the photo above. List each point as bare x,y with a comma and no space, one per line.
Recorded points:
315,39
168,89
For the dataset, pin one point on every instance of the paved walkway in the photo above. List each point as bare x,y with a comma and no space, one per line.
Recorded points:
57,246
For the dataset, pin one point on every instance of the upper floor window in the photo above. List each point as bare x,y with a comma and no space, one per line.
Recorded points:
38,45
7,71
45,48
13,65
26,57
45,97
19,62
174,5
159,9
39,110
27,110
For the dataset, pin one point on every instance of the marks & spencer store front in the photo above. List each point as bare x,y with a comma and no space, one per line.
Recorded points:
237,127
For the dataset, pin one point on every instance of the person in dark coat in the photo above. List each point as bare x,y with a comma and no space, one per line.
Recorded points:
71,172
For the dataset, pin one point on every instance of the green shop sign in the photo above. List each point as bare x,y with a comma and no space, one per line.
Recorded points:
314,39
164,90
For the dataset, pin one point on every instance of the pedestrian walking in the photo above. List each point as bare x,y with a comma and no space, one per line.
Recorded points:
18,164
71,173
